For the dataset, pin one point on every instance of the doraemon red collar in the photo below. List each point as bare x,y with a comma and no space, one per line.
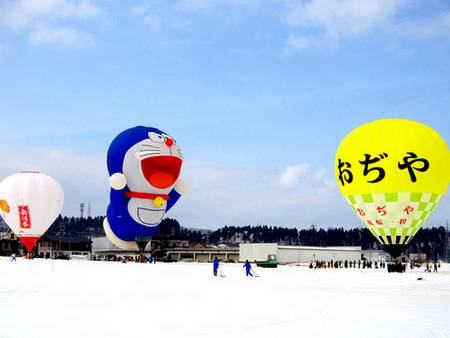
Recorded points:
145,195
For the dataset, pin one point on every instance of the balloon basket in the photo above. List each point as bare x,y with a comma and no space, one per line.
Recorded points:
396,267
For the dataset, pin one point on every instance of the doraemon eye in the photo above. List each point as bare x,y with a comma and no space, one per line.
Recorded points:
158,138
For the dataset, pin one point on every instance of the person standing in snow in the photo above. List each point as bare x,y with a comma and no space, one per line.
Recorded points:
248,268
13,258
215,266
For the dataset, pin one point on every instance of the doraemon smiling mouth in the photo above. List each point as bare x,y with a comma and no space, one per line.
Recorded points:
147,180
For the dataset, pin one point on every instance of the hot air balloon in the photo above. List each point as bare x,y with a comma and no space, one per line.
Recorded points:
393,173
29,203
144,165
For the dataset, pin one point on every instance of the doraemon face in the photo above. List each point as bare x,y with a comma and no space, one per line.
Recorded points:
161,160
152,165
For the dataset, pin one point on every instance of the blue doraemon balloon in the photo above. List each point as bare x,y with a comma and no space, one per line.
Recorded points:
144,166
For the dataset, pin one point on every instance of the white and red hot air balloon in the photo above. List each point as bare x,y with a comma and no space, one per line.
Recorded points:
29,203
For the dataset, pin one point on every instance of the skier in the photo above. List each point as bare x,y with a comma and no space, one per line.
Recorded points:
13,257
215,266
248,268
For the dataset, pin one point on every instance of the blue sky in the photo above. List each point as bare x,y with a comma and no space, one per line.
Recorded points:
252,90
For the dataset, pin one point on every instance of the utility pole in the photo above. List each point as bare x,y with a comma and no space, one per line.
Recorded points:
447,243
81,210
60,235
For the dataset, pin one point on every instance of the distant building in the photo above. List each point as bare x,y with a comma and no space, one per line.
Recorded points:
177,249
376,255
418,257
102,246
297,254
49,246
201,253
9,243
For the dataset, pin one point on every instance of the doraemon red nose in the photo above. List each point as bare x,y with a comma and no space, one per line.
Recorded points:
161,171
169,142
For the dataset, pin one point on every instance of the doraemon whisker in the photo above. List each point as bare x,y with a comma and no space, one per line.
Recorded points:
149,145
143,153
149,152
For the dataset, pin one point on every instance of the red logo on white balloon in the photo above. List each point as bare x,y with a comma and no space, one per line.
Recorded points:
24,216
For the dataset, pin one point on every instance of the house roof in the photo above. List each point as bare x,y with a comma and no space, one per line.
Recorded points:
66,239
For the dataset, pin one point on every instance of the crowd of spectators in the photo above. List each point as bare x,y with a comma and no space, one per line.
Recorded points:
430,266
347,264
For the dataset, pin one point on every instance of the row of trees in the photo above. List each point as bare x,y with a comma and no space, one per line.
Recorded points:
77,227
431,241
93,227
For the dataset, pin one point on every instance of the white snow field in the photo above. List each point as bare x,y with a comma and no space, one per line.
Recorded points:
43,298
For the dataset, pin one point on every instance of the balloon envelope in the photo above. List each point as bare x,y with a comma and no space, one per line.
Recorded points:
29,203
144,165
393,173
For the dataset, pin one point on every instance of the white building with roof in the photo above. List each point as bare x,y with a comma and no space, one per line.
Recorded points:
287,254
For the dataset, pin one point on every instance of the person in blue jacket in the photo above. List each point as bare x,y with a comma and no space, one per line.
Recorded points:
248,268
215,266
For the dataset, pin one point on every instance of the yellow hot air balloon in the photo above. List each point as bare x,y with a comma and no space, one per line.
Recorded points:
393,173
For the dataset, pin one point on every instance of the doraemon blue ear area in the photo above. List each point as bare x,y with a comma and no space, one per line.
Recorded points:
124,141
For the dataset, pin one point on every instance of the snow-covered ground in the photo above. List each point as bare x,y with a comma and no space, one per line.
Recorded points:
104,299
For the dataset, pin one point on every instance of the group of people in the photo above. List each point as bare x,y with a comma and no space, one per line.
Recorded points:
138,259
247,266
28,255
360,264
430,265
